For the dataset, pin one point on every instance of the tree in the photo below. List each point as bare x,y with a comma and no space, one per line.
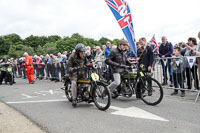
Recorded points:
53,38
18,51
50,48
4,46
103,40
40,50
115,41
35,41
13,39
65,44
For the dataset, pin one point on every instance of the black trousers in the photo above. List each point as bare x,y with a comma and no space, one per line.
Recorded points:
178,81
48,71
41,72
53,72
62,71
192,70
2,76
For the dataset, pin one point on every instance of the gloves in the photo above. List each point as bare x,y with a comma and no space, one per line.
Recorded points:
126,67
74,69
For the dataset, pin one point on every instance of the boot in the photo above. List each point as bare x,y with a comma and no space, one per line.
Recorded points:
74,103
174,93
182,94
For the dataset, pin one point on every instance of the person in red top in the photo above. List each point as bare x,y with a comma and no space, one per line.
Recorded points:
29,68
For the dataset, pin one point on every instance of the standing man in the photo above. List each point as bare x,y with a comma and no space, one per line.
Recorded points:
29,68
108,49
166,50
48,66
146,57
145,60
58,66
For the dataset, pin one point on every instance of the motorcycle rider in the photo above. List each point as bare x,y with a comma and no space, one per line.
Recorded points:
119,63
3,69
76,62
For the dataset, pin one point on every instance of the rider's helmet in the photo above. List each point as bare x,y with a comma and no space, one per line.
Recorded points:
80,48
4,59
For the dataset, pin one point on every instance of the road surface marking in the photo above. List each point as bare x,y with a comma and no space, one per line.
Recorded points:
137,113
27,96
128,112
40,101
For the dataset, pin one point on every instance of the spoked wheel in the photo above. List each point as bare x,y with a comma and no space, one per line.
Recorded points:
68,91
151,91
101,96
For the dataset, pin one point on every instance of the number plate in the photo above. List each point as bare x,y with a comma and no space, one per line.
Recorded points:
141,73
95,77
9,69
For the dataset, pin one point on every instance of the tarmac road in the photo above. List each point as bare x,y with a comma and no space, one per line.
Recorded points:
45,104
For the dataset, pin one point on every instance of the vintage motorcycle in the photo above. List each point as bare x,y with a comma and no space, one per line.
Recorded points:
140,83
91,87
9,77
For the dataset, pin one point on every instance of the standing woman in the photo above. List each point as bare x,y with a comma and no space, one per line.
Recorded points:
191,50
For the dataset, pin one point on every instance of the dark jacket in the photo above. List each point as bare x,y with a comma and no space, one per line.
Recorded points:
166,50
147,57
76,61
116,58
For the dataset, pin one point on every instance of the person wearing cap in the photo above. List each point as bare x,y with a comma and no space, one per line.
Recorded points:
117,60
29,68
76,62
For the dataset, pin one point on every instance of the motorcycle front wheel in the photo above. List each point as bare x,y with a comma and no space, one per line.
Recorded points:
101,96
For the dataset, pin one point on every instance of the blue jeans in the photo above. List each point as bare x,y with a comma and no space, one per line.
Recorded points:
57,73
164,68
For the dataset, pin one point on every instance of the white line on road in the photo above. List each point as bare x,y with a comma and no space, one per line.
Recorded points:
128,112
40,101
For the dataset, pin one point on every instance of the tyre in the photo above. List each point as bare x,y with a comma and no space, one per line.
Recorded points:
151,91
101,96
10,79
68,91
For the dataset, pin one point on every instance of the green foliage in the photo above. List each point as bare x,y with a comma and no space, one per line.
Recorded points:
53,38
13,46
50,48
35,41
13,39
115,42
4,46
103,41
18,51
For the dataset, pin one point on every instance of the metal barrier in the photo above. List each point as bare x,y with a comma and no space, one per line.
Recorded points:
190,72
180,72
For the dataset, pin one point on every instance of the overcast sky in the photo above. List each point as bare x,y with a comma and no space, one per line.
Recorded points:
176,19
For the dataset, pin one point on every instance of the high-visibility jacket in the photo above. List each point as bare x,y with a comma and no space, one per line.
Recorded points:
28,61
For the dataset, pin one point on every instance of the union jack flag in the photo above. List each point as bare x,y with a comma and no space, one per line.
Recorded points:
122,13
153,41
